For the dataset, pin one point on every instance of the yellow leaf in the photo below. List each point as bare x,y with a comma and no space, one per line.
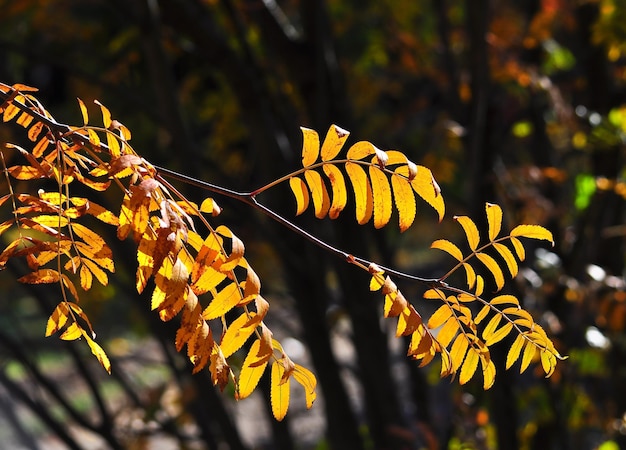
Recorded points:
223,302
508,257
532,232
43,276
500,334
480,285
482,314
335,138
458,350
52,221
25,172
491,326
94,139
306,378
250,373
447,332
236,252
209,206
548,362
519,248
301,193
99,353
471,231
505,299
434,294
494,220
83,111
489,370
97,272
310,146
440,316
219,368
408,320
236,334
360,150
72,332
514,351
319,193
57,319
527,357
469,366
338,185
426,187
404,201
106,114
493,267
362,192
448,247
90,237
381,193
86,278
279,392
470,275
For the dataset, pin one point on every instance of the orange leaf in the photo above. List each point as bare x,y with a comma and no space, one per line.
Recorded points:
335,138
404,201
43,276
448,247
310,146
223,302
306,378
381,193
469,366
319,193
362,192
338,185
237,334
250,374
301,193
279,392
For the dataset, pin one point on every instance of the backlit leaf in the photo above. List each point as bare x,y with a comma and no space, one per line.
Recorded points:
500,334
494,220
458,350
223,302
338,185
319,193
519,248
335,138
508,257
491,326
381,193
99,353
72,332
440,316
449,247
529,354
471,231
57,319
470,274
310,146
279,391
306,378
493,267
42,276
447,332
426,187
514,351
533,232
362,192
83,111
360,150
236,335
301,193
469,366
404,201
250,374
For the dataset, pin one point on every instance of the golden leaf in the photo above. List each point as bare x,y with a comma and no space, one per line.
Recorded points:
83,111
362,192
440,316
489,370
434,294
279,392
97,272
548,362
519,248
335,138
470,274
310,146
447,332
527,357
491,326
448,247
57,319
360,150
219,368
505,299
306,378
493,267
408,321
514,351
250,374
301,193
223,302
404,201
500,334
458,350
99,353
508,257
381,193
106,114
42,276
532,232
25,172
494,220
237,334
338,185
470,229
426,187
482,314
72,332
319,193
480,285
469,366
53,221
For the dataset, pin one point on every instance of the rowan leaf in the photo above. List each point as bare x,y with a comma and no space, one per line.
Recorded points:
224,301
469,366
489,370
301,193
404,201
500,334
458,350
529,353
237,333
426,187
42,276
335,138
508,257
339,191
362,192
448,247
279,391
319,193
470,229
98,352
381,193
519,248
251,373
440,316
83,111
57,319
493,267
360,150
310,146
307,380
532,232
494,220
491,326
470,275
72,332
514,351
447,332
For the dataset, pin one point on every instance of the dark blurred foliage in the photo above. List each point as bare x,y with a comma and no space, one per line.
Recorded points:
521,103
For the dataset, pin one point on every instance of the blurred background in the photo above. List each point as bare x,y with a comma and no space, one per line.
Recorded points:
520,103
